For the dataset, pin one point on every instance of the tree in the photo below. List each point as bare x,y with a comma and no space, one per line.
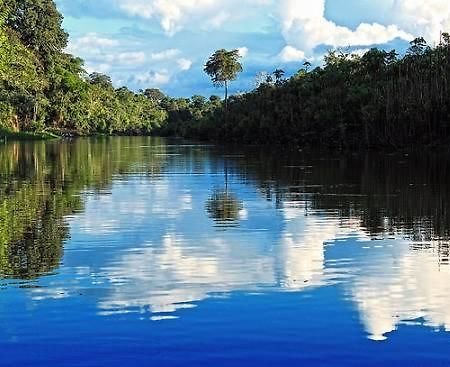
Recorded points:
100,80
38,24
279,75
307,65
214,99
445,39
154,94
223,66
418,47
261,79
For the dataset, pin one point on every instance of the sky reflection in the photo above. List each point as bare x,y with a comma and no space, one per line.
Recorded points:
167,255
158,246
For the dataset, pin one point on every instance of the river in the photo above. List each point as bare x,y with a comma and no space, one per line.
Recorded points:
135,251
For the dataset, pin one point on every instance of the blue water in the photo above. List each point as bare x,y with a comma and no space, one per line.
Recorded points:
142,251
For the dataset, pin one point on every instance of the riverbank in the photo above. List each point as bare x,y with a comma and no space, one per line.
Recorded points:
6,134
53,133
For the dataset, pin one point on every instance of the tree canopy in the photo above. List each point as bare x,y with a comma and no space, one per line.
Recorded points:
223,66
373,100
42,87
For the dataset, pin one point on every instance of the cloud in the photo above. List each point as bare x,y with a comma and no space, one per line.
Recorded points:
131,58
217,20
184,64
172,14
91,41
425,18
98,67
305,27
291,54
128,37
166,54
151,78
243,51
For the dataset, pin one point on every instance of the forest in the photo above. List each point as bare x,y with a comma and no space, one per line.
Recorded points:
42,87
375,100
379,99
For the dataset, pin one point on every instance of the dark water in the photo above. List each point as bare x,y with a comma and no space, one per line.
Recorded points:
141,252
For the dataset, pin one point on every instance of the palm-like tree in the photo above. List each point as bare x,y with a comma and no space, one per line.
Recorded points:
279,75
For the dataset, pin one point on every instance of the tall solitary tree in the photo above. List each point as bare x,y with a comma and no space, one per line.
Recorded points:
223,66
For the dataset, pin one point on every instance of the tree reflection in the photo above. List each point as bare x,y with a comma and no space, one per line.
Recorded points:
388,193
40,248
41,184
224,207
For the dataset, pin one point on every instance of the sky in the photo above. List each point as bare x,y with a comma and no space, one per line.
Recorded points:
165,43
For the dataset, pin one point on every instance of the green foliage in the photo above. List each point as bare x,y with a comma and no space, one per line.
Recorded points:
8,135
374,100
38,25
223,66
154,94
20,81
41,87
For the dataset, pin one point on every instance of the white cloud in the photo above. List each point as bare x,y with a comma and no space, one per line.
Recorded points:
152,78
165,55
404,17
91,41
184,64
305,27
98,67
217,20
422,18
291,54
174,15
131,58
243,51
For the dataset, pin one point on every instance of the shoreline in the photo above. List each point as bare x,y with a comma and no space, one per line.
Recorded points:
6,135
54,134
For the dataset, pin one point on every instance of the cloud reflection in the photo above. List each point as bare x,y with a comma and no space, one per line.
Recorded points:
396,285
168,256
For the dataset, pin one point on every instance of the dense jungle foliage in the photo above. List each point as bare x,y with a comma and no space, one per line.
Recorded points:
42,87
374,100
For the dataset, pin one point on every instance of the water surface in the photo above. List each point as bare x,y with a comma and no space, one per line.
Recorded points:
142,251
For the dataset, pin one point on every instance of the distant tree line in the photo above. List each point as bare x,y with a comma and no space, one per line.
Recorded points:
375,100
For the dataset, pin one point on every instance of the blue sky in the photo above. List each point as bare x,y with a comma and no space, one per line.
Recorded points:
165,43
